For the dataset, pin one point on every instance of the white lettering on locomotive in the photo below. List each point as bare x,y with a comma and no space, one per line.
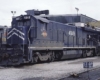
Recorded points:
71,33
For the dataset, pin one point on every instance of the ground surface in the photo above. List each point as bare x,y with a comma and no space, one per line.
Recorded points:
47,71
89,75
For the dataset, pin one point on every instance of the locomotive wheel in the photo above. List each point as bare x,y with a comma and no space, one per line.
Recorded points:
92,54
52,57
58,55
84,54
97,53
35,58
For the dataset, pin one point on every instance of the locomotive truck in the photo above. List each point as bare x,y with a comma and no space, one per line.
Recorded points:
33,38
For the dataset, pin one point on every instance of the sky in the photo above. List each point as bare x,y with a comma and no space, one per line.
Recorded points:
90,8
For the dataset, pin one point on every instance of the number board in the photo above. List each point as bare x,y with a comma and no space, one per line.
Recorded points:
87,64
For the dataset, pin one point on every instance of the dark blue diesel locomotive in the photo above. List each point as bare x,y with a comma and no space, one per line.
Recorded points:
33,38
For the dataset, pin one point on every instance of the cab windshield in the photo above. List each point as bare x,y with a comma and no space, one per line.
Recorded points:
24,23
23,20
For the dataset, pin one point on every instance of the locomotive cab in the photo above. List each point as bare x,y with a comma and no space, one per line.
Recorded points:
22,21
18,39
19,30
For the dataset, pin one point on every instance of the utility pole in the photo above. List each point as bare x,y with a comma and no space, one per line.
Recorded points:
77,9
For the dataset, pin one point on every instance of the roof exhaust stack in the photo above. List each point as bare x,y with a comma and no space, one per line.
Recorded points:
36,12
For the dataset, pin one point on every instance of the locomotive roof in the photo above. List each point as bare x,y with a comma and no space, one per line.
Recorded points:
42,19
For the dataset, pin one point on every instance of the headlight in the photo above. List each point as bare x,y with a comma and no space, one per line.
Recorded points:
26,17
17,18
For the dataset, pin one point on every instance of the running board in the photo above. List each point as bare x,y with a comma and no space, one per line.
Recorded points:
59,48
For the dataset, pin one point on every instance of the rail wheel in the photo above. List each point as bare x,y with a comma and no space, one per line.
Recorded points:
92,54
58,55
51,57
35,58
97,53
84,54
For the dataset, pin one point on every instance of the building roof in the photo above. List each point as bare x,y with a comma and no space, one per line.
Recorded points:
69,18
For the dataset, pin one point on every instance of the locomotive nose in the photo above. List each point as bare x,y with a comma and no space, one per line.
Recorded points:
16,36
